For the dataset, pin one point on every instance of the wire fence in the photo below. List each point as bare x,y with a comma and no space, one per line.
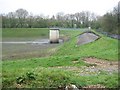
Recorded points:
115,36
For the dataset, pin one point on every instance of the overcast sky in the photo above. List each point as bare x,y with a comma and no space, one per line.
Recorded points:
51,7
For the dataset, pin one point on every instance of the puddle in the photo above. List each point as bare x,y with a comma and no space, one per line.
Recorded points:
39,42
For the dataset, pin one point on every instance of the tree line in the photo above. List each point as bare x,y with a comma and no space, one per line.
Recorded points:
21,18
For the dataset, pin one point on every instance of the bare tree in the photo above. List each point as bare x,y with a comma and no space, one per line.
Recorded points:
11,19
72,18
21,15
78,19
30,20
60,19
87,18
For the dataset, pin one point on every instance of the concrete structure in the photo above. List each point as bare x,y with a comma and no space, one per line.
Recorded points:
54,35
87,37
89,28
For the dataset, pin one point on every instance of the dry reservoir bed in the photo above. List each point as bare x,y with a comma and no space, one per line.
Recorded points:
27,49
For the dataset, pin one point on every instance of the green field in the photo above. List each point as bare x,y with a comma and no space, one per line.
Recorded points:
23,34
63,66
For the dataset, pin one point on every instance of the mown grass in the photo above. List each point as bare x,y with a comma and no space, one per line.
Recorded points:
104,48
24,32
43,62
45,73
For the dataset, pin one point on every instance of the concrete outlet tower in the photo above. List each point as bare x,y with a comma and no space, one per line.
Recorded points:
54,35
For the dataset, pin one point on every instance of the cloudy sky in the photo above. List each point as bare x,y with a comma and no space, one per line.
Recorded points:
51,7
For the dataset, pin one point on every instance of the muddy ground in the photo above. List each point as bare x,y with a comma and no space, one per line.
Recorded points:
27,49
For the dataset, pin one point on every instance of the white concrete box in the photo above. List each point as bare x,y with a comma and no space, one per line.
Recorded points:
54,35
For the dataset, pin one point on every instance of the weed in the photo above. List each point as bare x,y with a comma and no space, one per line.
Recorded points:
30,75
20,79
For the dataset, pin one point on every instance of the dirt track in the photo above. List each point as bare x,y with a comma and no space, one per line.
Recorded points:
95,67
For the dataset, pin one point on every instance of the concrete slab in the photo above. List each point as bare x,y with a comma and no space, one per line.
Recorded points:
87,37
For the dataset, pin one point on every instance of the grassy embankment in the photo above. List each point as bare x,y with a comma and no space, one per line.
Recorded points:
24,34
44,72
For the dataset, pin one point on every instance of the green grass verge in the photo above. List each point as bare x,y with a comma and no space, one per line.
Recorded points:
103,48
46,76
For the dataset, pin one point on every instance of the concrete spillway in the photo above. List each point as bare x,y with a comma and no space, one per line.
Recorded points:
87,37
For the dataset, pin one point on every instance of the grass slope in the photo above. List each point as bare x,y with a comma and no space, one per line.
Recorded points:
104,48
24,34
41,72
